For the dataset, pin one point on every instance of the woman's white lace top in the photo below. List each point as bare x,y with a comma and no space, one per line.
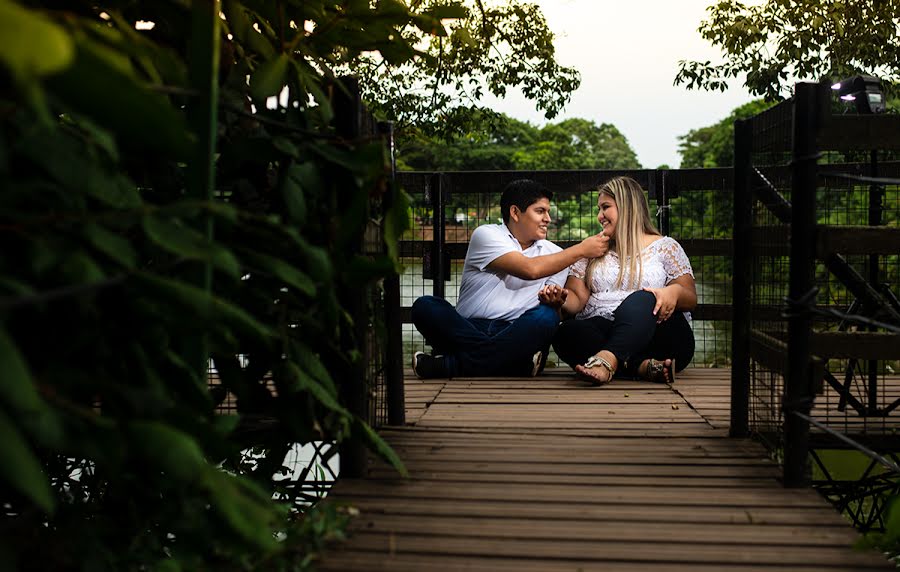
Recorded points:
663,261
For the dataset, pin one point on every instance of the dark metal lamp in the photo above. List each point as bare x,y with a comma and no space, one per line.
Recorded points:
862,90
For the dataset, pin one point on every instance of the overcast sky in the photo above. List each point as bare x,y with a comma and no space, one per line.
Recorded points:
627,52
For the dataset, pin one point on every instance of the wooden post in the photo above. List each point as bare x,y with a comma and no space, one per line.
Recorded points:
741,280
798,394
438,254
348,110
876,206
393,354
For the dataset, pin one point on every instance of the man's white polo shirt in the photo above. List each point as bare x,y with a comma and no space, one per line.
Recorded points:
486,293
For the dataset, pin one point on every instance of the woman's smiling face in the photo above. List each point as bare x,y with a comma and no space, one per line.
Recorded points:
607,214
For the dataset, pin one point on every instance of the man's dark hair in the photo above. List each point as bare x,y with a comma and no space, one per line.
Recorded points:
523,193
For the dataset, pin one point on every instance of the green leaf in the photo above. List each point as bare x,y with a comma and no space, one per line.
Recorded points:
202,305
322,395
116,100
15,287
397,220
111,244
237,19
21,398
17,390
343,157
21,468
377,444
63,157
286,146
464,36
32,46
319,263
293,196
168,448
189,243
311,363
283,270
363,269
269,78
448,11
226,424
246,510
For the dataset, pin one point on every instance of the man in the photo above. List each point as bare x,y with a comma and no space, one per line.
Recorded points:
500,327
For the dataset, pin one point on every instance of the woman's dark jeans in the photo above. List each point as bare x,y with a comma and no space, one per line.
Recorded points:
632,337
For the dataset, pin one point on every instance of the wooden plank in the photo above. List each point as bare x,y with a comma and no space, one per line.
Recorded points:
609,530
884,240
417,563
550,474
649,552
726,515
861,345
860,132
663,495
638,477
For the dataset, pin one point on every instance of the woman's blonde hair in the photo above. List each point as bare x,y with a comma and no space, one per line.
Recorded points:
633,222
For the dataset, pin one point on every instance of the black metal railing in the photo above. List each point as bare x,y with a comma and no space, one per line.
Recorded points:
817,226
691,205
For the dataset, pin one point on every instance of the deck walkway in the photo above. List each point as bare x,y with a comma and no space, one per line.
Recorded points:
548,474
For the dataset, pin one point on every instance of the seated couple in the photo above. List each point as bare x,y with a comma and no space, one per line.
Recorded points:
627,288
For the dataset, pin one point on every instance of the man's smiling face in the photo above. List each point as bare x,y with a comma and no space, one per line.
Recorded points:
532,223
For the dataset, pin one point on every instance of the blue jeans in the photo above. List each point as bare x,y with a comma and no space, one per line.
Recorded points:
483,347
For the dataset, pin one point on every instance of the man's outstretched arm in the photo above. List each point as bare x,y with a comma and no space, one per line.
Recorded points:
521,266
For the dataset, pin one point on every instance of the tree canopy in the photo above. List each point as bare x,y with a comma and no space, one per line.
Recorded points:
713,145
779,42
490,48
505,143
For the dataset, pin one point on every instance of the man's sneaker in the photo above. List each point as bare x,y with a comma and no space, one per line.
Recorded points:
536,361
428,367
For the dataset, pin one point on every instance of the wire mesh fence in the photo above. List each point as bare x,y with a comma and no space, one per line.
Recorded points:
692,205
838,367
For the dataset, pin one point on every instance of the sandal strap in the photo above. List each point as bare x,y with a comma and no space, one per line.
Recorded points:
597,360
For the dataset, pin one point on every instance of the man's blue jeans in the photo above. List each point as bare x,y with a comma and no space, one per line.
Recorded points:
482,347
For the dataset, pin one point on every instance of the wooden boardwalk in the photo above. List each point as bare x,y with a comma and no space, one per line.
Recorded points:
549,474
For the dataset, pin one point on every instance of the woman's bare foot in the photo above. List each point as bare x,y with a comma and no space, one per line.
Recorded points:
658,371
599,369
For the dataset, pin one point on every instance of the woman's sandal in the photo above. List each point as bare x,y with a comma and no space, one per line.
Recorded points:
657,370
597,361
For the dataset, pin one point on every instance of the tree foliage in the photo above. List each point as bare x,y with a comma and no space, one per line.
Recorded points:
713,145
113,450
505,143
492,47
779,42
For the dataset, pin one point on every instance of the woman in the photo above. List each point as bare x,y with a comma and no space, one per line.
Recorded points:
629,305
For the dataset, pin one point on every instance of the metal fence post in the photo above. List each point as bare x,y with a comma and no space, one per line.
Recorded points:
662,201
741,280
876,206
797,394
439,274
393,358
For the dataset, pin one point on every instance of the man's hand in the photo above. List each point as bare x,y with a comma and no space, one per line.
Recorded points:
666,299
553,295
595,246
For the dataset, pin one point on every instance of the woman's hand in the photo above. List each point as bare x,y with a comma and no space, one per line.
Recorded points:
553,295
666,300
